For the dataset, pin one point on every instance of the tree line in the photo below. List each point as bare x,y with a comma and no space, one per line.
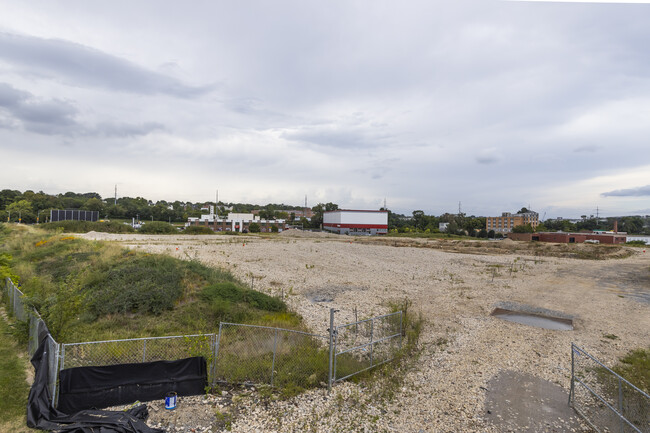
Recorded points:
31,207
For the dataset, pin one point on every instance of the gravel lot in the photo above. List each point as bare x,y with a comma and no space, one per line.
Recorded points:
464,347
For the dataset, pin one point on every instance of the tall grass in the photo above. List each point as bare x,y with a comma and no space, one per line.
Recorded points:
13,387
88,226
93,290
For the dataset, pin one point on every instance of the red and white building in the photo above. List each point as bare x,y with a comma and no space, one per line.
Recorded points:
356,222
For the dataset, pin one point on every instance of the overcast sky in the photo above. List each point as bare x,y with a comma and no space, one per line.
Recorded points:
426,104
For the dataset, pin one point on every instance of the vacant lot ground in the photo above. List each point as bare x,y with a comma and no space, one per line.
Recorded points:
456,287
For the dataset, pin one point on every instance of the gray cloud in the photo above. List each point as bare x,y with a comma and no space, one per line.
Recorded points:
352,136
126,129
43,117
58,117
589,148
487,159
80,65
641,191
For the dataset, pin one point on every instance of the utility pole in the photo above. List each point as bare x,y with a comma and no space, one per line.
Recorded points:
459,210
115,195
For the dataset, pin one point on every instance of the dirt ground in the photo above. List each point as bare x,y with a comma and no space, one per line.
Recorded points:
455,286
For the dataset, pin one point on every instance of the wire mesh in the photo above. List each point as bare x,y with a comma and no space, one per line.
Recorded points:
607,401
136,350
238,354
16,303
272,356
365,344
37,330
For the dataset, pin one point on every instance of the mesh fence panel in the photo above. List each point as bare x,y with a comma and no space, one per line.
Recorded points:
272,356
238,354
367,343
16,303
606,400
136,350
37,329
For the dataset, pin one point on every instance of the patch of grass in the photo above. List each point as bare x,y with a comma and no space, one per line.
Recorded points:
157,228
89,290
198,230
13,385
88,226
635,367
229,292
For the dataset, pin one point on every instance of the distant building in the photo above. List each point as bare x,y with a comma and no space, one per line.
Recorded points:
507,221
235,222
299,213
570,238
356,222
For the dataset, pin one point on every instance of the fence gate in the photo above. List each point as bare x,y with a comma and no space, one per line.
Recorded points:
604,399
362,345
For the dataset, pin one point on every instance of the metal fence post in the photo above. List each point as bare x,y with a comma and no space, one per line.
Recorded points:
331,348
55,380
372,329
572,389
620,404
144,350
275,345
401,329
213,363
216,355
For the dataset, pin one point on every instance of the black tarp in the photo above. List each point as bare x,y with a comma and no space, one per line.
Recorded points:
41,415
111,385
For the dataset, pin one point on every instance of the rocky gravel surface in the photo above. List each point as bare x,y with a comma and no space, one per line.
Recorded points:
464,348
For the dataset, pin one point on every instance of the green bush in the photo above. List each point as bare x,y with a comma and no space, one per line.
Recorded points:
157,228
137,283
198,230
230,292
254,228
88,226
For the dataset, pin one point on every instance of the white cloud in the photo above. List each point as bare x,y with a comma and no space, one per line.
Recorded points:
495,104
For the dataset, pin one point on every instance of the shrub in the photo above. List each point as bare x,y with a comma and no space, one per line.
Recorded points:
157,228
145,284
254,228
88,226
198,230
231,292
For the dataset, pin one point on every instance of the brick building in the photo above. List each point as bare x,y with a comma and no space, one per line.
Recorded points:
570,238
507,221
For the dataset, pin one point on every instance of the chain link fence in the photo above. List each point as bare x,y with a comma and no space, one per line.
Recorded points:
238,354
137,350
604,399
249,354
37,331
365,344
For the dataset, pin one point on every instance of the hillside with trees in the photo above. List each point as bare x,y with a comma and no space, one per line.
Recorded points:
30,207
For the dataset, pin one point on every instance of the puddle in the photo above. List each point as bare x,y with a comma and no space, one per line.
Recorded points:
537,320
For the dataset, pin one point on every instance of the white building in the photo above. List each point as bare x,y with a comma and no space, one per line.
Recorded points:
356,222
234,222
